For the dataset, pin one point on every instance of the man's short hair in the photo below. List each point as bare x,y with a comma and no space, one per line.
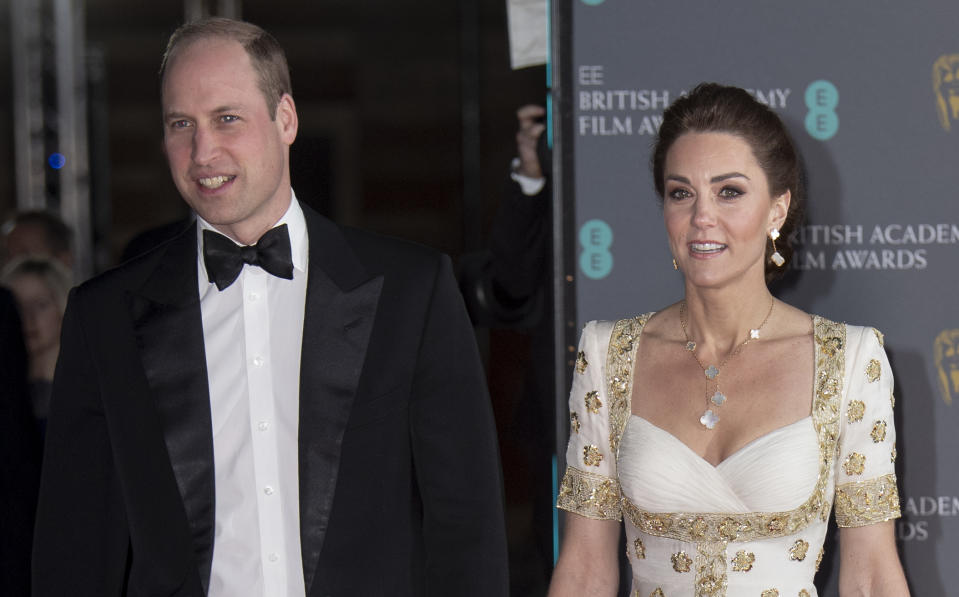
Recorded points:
56,234
266,55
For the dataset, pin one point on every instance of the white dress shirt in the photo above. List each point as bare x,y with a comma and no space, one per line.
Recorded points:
530,186
252,331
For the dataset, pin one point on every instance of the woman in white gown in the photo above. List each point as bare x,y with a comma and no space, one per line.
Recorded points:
725,428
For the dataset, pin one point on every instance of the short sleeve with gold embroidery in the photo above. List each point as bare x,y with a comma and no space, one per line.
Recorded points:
590,486
866,490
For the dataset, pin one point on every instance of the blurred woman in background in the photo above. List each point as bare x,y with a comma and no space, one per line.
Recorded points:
40,285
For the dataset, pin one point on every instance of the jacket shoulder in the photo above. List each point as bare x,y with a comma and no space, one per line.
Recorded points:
133,274
384,254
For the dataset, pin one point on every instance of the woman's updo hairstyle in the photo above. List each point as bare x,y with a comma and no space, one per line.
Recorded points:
714,108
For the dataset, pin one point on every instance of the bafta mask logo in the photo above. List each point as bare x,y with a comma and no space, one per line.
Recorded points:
945,84
946,351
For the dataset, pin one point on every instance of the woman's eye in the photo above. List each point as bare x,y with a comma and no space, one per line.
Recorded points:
679,194
730,192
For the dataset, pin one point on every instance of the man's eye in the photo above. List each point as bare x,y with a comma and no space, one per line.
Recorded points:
229,118
179,124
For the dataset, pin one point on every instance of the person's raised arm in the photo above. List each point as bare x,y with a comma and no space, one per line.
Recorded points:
529,118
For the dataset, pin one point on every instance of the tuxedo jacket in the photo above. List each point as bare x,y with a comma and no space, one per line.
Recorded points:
400,487
19,455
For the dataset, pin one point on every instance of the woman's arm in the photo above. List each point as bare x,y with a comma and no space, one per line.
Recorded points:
869,563
588,564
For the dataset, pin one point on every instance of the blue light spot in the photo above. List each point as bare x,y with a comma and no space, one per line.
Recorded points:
56,160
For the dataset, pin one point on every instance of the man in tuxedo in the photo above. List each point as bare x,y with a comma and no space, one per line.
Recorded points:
267,404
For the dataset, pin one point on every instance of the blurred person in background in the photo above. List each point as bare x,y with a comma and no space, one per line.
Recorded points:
37,232
40,285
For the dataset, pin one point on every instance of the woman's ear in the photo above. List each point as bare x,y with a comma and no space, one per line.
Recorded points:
779,210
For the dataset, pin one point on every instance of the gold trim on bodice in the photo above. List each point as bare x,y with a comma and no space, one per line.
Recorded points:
830,343
598,496
711,533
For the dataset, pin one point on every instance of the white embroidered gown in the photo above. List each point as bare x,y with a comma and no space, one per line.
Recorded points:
754,524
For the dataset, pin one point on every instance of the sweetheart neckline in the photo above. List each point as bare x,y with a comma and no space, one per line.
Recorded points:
730,456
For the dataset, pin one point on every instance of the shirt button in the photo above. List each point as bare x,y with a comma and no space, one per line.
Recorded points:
258,361
268,490
262,425
254,296
274,557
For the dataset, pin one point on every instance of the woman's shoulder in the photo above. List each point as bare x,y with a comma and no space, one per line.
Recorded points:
853,333
604,328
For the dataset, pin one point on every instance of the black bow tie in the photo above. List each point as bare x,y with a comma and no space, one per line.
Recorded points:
224,258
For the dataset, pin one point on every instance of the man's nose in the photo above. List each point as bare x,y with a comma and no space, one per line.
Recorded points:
205,146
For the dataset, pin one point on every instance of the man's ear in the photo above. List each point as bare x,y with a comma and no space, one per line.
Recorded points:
286,118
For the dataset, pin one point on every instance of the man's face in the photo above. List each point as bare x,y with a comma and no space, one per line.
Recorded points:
228,158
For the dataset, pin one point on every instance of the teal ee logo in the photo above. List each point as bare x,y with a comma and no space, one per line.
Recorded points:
595,237
822,122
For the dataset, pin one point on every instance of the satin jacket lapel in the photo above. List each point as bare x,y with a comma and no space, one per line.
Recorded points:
169,329
341,302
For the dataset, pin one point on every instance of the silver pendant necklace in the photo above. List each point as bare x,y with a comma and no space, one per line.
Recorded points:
717,398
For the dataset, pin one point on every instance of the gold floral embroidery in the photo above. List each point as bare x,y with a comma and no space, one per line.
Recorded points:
892,454
619,374
804,593
798,551
770,593
711,580
855,463
657,593
822,552
855,411
640,549
591,455
729,529
878,432
581,362
681,562
698,528
859,504
590,495
593,403
892,399
879,337
744,560
873,371
830,341
574,422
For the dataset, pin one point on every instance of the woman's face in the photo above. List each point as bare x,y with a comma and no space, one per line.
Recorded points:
717,209
40,312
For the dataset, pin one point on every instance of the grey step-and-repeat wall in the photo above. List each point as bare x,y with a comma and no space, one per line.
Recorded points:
870,92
